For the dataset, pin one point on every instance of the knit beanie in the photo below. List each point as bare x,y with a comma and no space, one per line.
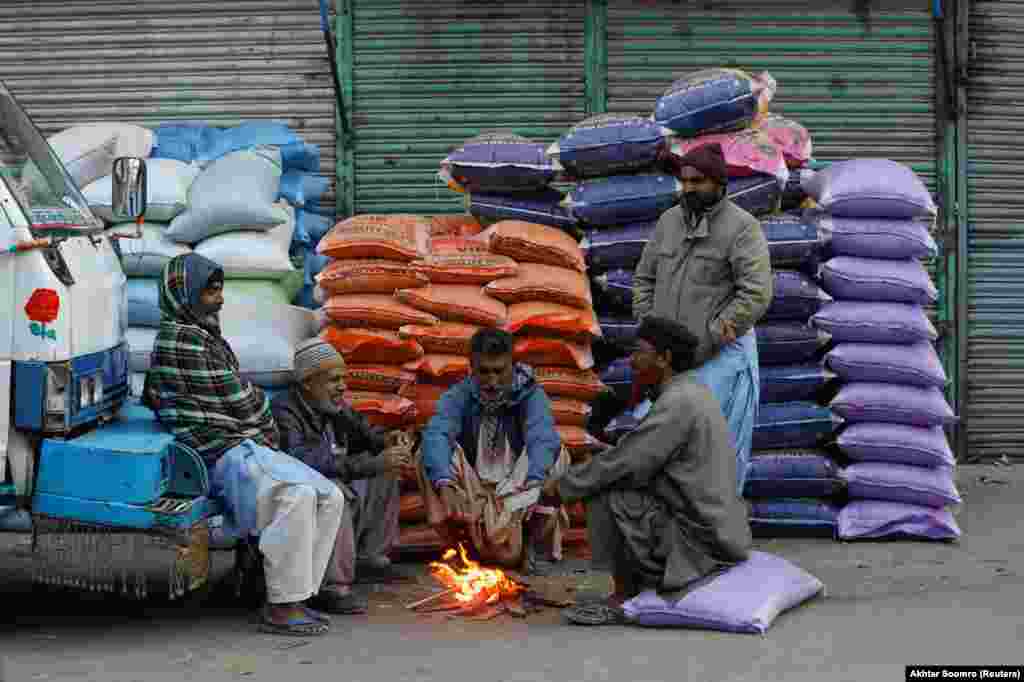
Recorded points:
315,355
709,160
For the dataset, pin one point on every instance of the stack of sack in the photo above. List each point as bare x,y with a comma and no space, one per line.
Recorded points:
877,215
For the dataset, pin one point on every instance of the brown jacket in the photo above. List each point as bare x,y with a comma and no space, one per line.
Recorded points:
699,275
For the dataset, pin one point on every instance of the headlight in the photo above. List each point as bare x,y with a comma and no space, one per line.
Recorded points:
57,379
90,391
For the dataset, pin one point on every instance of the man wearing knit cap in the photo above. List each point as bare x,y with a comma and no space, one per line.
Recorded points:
318,427
707,267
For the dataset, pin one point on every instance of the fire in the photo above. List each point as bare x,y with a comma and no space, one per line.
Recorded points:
472,583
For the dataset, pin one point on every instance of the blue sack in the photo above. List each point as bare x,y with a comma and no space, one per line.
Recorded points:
793,425
313,224
312,266
787,383
608,144
304,299
620,331
618,376
250,134
498,162
713,100
300,189
624,199
300,156
792,473
792,517
184,142
794,297
616,247
793,242
543,208
143,302
788,343
757,194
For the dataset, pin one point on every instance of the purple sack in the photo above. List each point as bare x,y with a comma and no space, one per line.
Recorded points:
889,281
792,473
616,247
914,365
859,322
871,519
870,188
620,331
792,425
758,195
927,487
745,598
613,292
792,241
608,144
790,383
879,238
897,443
618,376
793,518
542,208
787,343
624,199
794,297
864,401
499,162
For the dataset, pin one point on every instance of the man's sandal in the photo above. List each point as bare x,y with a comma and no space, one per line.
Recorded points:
307,626
595,614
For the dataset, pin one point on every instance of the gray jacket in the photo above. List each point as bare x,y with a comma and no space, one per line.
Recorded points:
699,275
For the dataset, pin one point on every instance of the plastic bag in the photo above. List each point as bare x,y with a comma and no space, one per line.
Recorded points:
624,199
498,162
714,100
608,144
369,276
535,282
397,236
532,243
456,303
790,137
747,153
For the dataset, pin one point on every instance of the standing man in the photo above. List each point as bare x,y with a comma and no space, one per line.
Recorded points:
707,267
662,510
318,427
484,456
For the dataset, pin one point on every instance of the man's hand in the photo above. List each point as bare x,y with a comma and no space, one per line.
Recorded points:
399,438
395,459
728,328
453,506
550,488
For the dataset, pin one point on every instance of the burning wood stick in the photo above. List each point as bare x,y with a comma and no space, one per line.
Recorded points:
426,600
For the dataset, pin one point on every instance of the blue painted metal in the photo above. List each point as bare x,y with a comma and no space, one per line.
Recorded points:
171,514
8,494
14,520
28,396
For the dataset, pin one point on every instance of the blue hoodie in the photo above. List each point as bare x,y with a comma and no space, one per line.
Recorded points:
527,421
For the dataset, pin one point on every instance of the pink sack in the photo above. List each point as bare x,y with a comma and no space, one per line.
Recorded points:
747,152
790,137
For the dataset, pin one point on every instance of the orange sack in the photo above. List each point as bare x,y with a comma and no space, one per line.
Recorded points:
569,412
578,442
449,338
374,310
456,303
447,245
441,369
424,397
552,319
463,268
540,350
535,282
451,225
359,345
532,243
382,409
565,382
377,378
401,237
369,276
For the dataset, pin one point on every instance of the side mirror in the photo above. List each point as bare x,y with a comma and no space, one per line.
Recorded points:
129,189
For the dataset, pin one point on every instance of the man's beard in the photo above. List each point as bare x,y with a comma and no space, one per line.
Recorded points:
699,203
492,406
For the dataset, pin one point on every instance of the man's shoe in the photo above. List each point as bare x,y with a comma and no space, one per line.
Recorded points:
347,604
373,563
376,571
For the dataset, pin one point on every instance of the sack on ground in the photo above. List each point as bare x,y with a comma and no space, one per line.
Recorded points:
374,310
566,382
896,444
252,134
616,247
541,208
792,473
535,282
760,195
714,100
532,243
379,378
146,257
312,224
790,137
254,255
879,237
624,199
862,322
540,350
144,297
793,517
864,401
398,237
793,425
790,383
441,368
745,598
464,268
786,343
370,346
300,156
552,319
369,276
874,519
456,303
795,296
747,152
609,144
578,442
236,192
140,347
497,161
793,242
927,487
186,142
167,191
454,225
424,397
302,189
569,412
915,365
870,188
88,152
848,278
382,409
447,338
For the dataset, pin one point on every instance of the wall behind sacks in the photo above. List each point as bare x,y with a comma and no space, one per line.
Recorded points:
148,62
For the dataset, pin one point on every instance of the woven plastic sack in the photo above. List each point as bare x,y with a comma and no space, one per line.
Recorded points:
374,310
897,444
254,255
167,185
619,331
552,319
532,243
578,442
377,378
870,188
140,346
793,425
251,134
794,297
398,237
792,473
263,337
236,192
459,245
452,225
624,199
146,257
615,291
382,409
369,276
447,338
891,323
542,208
793,517
439,368
312,224
456,303
566,382
464,268
618,376
714,100
535,282
747,152
915,365
789,383
539,350
425,397
758,195
926,487
787,343
499,162
882,281
568,412
616,247
361,345
312,265
302,189
879,238
864,401
300,156
608,144
793,195
746,598
793,242
790,137
185,142
872,519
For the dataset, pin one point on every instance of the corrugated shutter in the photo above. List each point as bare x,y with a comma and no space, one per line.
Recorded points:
147,62
995,351
429,75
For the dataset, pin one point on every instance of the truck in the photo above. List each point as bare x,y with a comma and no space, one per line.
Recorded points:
100,482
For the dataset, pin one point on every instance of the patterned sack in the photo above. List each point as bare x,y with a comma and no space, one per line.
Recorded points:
578,442
793,517
377,378
794,297
393,237
624,199
786,343
883,281
569,383
534,282
568,412
609,144
552,319
789,383
541,208
441,369
758,195
447,338
864,401
902,483
916,365
464,268
374,310
793,425
536,350
618,376
793,242
532,243
369,276
859,322
714,100
457,245
424,397
897,444
747,152
870,188
359,345
381,409
620,331
616,247
873,519
497,161
456,303
879,237
792,473
452,225
790,137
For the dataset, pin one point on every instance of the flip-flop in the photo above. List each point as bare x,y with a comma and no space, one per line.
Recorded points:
296,627
314,614
595,614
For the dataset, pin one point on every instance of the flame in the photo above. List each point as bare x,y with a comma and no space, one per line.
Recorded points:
471,582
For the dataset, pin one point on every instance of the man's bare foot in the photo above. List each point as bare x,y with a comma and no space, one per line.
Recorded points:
280,614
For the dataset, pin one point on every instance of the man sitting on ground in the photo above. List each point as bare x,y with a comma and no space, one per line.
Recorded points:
318,427
662,507
484,456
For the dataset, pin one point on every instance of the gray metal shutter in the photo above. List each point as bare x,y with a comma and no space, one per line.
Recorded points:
994,402
148,62
429,75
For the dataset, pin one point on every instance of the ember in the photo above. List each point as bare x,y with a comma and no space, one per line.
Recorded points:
469,583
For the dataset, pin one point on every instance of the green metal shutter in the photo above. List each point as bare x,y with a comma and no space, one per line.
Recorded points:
429,75
995,341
